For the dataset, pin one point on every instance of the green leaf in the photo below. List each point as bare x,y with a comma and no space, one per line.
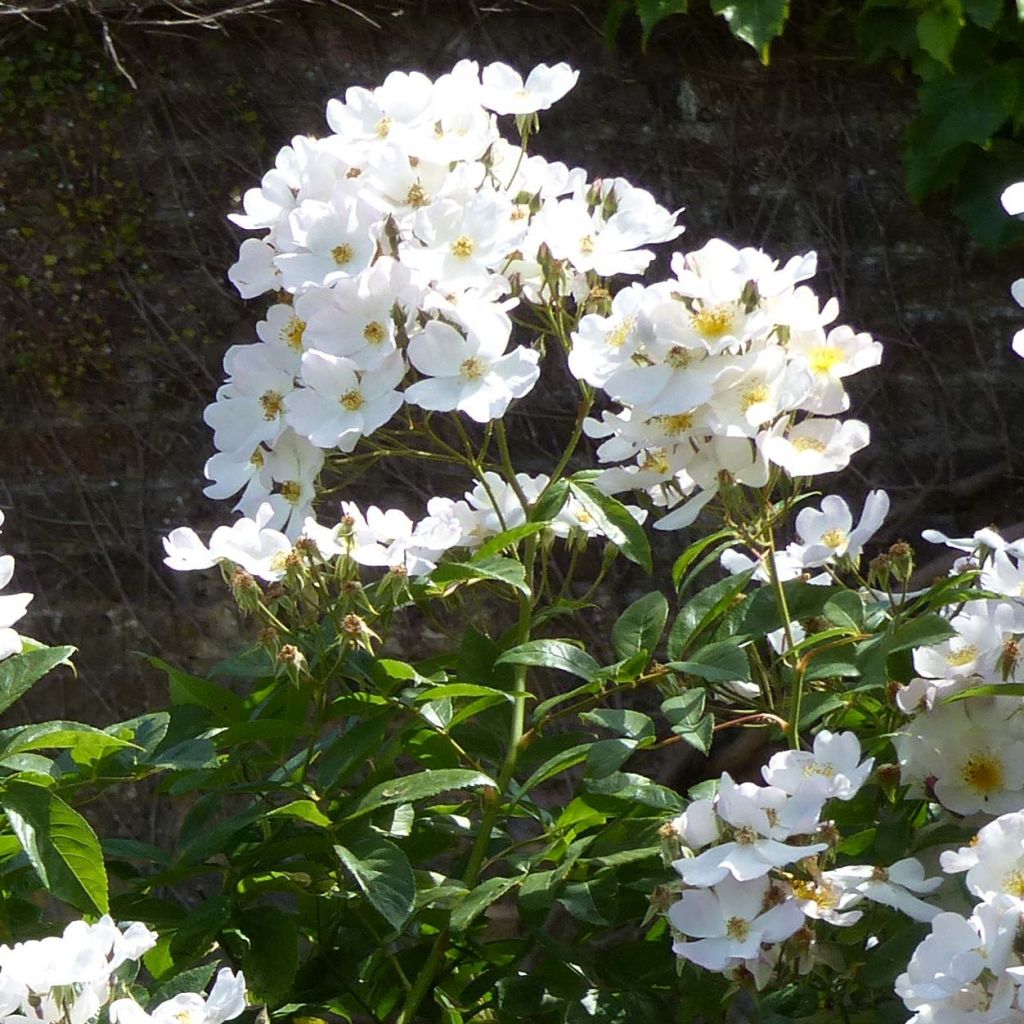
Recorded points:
303,810
938,29
983,12
612,518
555,765
640,626
607,756
634,724
682,567
272,960
636,789
193,980
20,672
189,689
508,539
920,632
653,12
496,568
699,734
986,690
382,872
420,786
756,22
60,845
85,743
724,661
350,751
846,609
703,610
474,903
559,654
551,501
687,707
447,690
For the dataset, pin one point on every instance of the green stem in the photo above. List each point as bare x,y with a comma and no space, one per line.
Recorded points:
787,629
495,797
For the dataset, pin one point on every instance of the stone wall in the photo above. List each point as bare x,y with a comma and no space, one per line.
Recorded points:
115,308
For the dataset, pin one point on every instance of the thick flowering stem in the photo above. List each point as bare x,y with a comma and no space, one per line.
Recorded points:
493,799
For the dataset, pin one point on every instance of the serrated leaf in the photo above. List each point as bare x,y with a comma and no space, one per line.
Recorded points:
193,980
920,632
636,789
421,786
687,707
722,662
272,960
703,610
633,724
555,765
558,654
188,689
640,626
475,902
509,539
697,734
20,672
612,518
607,756
85,743
382,872
303,810
846,609
495,568
60,845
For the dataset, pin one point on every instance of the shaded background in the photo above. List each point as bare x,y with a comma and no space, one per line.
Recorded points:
123,146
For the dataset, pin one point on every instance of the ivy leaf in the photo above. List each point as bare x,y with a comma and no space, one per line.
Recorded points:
60,845
938,29
21,672
653,12
756,22
382,872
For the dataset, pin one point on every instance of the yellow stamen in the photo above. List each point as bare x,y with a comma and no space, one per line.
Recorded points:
472,368
462,247
342,254
374,332
982,773
713,322
273,404
352,400
291,333
821,360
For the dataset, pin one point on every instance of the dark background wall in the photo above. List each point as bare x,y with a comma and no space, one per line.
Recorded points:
115,310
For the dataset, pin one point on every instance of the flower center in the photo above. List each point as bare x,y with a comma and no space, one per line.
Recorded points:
272,403
374,332
291,491
738,929
257,458
1013,883
655,461
825,769
713,322
755,394
679,358
587,245
617,338
382,127
462,247
417,196
808,444
291,333
822,359
472,368
745,835
982,773
352,400
961,657
677,424
834,538
342,254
